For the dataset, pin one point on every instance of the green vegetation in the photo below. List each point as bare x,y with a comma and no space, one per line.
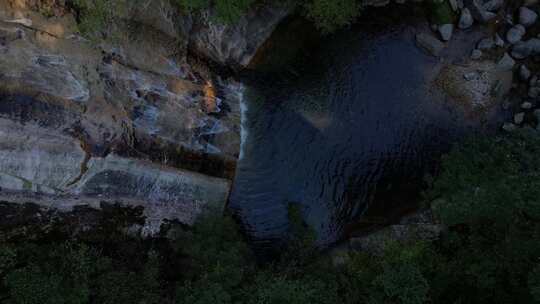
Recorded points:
488,195
328,15
441,12
95,17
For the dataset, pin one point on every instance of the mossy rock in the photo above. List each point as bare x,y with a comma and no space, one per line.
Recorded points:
440,12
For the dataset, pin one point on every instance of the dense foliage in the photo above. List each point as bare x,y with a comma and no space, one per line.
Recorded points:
487,194
328,15
97,16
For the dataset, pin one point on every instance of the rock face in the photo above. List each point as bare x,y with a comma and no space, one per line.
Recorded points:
128,119
235,45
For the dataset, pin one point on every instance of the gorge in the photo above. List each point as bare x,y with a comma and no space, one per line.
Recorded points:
158,113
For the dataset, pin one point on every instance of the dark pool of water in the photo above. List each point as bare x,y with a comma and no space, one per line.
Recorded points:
356,125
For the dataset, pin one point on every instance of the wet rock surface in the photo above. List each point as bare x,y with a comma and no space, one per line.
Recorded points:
131,119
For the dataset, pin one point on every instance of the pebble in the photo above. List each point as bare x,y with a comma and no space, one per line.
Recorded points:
534,92
537,114
519,118
524,49
446,31
476,54
465,20
485,44
479,12
524,73
493,5
506,63
515,34
470,76
526,105
499,41
509,127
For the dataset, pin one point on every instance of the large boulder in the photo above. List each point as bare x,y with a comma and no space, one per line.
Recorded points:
235,44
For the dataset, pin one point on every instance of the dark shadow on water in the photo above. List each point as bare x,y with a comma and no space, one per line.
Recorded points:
355,125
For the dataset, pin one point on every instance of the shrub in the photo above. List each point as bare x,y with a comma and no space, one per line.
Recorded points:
276,289
491,183
226,11
330,15
489,194
60,276
119,286
218,258
97,18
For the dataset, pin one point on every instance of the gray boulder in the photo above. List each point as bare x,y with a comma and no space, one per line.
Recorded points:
506,63
527,17
478,11
429,43
454,5
465,20
534,92
486,44
524,73
518,118
493,5
446,31
537,114
524,49
515,34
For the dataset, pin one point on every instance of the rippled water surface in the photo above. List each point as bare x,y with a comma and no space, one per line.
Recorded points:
355,122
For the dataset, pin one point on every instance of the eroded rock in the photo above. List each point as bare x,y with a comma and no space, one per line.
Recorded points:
486,89
429,43
235,44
